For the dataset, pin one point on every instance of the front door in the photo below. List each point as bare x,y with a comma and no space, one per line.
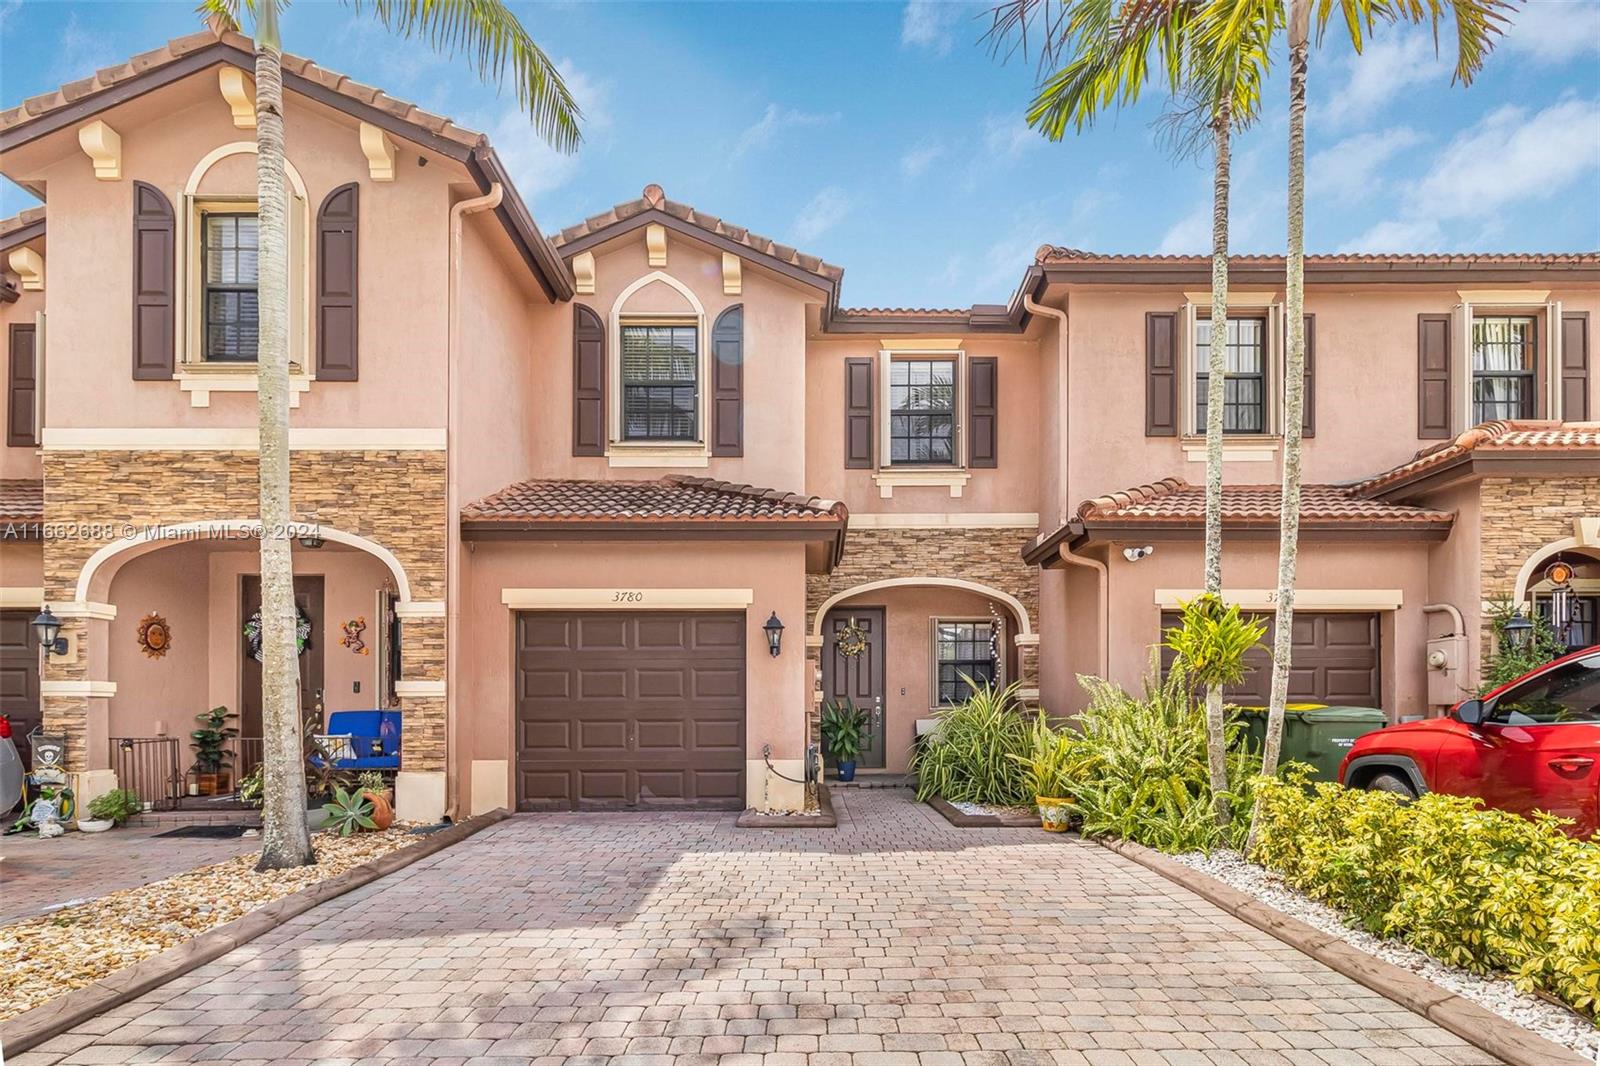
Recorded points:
308,598
858,678
19,676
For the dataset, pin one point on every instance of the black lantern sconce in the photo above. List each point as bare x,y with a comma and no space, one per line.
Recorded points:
1518,629
774,631
48,627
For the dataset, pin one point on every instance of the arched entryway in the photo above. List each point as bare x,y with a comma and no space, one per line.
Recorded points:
1570,605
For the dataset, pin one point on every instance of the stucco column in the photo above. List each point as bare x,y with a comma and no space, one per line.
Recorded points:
1028,667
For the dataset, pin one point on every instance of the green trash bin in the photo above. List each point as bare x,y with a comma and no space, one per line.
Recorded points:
1314,733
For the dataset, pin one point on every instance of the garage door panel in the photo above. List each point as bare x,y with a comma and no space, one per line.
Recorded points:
603,684
720,785
672,735
545,735
602,786
1350,631
711,683
547,632
661,633
601,633
664,785
1335,659
546,789
662,684
713,634
606,738
545,684
727,735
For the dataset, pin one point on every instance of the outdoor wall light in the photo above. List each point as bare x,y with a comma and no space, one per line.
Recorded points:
1518,629
48,626
310,541
1133,555
774,631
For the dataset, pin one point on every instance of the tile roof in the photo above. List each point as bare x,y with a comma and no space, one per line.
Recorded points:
898,312
670,499
178,47
21,500
1501,437
655,199
1172,500
1050,254
21,220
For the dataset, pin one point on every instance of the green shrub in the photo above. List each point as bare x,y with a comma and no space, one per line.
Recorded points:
118,805
1479,888
1510,661
1048,764
349,812
968,756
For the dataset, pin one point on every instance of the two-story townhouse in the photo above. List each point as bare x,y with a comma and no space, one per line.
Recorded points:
608,516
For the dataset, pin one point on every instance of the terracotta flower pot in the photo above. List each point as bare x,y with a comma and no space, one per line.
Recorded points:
1054,812
382,812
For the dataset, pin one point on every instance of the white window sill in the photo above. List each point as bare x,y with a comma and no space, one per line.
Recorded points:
688,455
1240,449
953,479
200,380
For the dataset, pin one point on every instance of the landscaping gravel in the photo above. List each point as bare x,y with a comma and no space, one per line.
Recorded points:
1550,1020
992,809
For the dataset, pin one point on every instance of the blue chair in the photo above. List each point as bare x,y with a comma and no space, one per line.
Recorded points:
374,739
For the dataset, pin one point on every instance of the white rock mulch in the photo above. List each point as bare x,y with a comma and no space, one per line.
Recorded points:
992,809
1498,994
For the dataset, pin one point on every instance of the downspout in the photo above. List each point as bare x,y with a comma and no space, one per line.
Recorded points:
1103,579
1455,616
452,558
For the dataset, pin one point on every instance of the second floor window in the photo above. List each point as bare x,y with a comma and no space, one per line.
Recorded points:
660,382
1245,389
228,251
1503,351
922,412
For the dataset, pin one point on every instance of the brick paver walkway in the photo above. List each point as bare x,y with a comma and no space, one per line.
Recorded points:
895,940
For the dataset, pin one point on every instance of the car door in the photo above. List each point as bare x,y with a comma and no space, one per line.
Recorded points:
1543,744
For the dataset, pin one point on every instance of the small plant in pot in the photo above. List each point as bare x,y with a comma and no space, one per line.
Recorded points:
113,808
372,785
211,755
349,812
843,728
1047,767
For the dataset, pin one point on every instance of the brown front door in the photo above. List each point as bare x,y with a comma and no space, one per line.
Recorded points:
1334,659
307,597
619,709
19,676
858,678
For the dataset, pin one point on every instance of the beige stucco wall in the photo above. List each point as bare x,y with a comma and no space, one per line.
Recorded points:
22,564
776,688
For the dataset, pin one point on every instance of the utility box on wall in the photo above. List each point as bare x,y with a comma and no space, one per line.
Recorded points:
1447,671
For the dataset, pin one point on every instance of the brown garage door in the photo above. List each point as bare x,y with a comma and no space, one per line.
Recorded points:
1334,660
19,676
630,710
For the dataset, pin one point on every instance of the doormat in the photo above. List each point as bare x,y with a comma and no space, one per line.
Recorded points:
208,832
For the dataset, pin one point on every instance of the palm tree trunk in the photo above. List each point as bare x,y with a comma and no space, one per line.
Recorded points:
1294,385
1217,369
285,841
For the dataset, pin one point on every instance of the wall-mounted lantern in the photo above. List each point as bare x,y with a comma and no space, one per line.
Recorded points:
774,631
1518,629
48,627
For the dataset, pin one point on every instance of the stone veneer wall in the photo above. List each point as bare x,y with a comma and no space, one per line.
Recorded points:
1519,517
395,498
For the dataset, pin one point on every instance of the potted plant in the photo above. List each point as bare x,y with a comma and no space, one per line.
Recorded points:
843,727
211,754
250,787
324,777
372,785
1048,764
112,808
349,812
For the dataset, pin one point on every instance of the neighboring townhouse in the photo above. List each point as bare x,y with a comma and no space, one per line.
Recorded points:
606,516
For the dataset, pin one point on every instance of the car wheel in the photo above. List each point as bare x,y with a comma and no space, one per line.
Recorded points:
1392,782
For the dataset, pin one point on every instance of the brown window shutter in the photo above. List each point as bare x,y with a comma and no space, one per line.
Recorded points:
983,411
858,413
1161,374
1308,417
338,286
22,386
727,383
1575,366
588,382
1433,377
154,279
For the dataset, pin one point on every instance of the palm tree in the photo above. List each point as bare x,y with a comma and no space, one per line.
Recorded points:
493,40
1107,50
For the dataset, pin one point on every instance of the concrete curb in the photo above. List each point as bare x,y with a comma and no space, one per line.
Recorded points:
962,820
1476,1025
826,820
33,1027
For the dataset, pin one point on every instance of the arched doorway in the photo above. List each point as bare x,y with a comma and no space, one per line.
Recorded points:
1561,586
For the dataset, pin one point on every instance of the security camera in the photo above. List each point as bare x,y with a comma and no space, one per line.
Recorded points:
1133,555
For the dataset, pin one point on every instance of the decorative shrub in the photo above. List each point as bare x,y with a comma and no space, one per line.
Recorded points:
1479,888
1047,766
968,757
1509,661
349,813
118,805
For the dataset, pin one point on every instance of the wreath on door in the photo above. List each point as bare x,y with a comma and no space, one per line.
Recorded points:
851,641
252,633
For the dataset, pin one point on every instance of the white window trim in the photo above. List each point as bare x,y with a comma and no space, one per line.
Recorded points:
933,651
953,476
655,453
1248,447
1529,303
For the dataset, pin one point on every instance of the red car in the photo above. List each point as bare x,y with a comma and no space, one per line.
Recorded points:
1530,745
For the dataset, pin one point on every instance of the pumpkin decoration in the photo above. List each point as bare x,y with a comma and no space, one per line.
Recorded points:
154,636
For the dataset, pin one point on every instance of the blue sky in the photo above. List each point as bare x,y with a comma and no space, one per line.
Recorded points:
886,139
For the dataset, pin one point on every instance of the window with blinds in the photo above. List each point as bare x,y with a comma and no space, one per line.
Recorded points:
965,656
1244,407
228,252
1503,352
922,412
660,382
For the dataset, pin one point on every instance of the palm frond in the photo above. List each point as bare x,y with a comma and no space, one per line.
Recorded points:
225,10
495,43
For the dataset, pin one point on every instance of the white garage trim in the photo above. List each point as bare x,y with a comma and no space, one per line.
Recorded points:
1304,599
626,599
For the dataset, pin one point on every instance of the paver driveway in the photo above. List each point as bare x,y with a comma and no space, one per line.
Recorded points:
657,938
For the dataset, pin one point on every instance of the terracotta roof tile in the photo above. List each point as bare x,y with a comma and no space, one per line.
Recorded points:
21,219
687,499
896,312
1497,437
1049,253
1174,500
654,199
21,500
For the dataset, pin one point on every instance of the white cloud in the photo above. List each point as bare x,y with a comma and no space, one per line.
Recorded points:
1352,169
81,52
774,120
534,165
1190,235
1555,31
1398,235
1510,156
1007,139
930,25
919,159
7,9
821,213
1379,73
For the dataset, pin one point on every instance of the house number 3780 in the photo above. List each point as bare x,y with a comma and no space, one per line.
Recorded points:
620,596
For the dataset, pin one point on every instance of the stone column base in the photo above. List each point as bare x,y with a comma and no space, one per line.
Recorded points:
90,785
419,796
489,778
766,791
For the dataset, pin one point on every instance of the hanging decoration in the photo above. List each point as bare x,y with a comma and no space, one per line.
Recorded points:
352,636
252,633
155,637
851,640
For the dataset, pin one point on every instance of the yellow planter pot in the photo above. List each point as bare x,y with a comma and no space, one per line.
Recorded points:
1055,812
